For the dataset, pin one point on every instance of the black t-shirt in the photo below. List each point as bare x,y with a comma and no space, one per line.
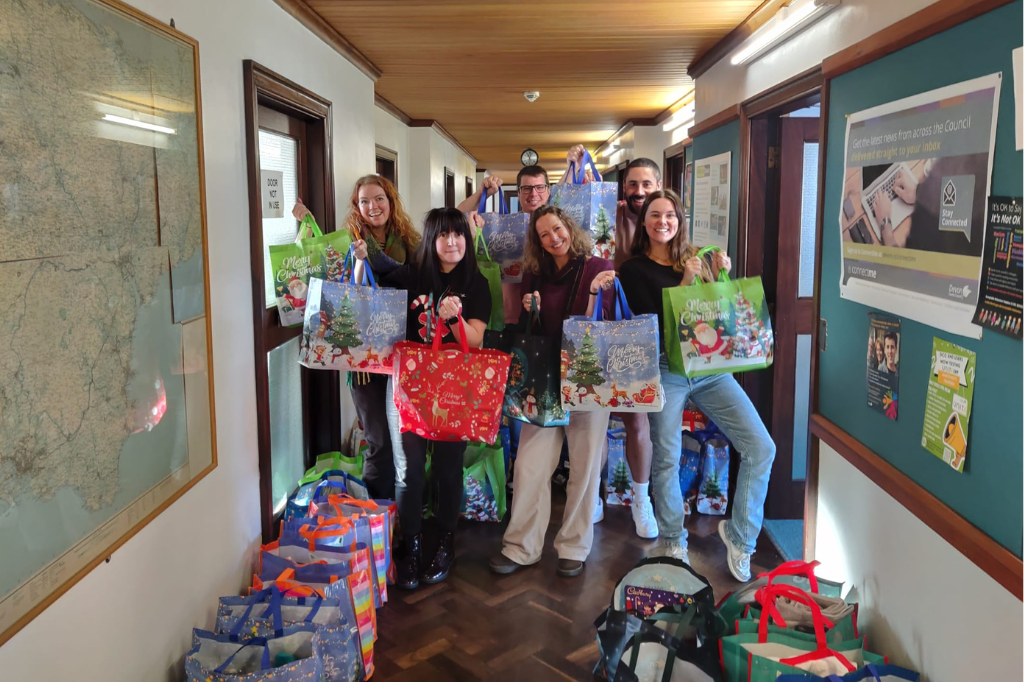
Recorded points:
476,302
642,280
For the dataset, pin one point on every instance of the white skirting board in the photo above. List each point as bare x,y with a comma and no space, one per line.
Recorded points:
923,603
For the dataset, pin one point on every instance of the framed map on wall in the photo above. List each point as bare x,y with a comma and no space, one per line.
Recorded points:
106,375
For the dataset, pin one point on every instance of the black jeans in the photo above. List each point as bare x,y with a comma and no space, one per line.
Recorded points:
446,470
379,463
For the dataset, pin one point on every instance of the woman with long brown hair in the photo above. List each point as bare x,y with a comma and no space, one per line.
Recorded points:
384,233
561,279
662,257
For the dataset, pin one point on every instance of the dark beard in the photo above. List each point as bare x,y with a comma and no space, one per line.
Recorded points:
634,210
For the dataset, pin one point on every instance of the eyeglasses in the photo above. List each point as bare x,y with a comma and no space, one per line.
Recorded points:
531,189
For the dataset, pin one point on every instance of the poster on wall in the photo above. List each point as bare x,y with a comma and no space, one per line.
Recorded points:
947,408
711,200
999,300
883,369
912,219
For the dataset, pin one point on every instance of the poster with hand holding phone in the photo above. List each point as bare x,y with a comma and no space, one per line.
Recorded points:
947,408
912,218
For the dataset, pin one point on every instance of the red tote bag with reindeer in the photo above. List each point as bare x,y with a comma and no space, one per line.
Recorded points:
450,392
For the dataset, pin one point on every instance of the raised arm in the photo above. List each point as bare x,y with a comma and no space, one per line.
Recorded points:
491,184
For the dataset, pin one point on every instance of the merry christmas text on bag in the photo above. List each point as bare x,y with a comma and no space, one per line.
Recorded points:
505,236
611,364
591,205
450,392
717,328
351,328
317,255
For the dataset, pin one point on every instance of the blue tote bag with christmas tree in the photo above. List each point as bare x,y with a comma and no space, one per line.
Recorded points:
351,328
505,237
591,205
717,328
611,364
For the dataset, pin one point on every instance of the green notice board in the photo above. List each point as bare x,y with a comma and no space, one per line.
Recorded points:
718,141
988,492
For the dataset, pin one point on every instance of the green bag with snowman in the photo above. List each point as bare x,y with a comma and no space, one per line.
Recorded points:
718,327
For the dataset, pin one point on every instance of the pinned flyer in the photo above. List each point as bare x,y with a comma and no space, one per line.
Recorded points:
947,410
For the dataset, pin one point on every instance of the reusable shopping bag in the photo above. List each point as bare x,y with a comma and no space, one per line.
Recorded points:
483,476
618,487
796,573
450,392
690,470
330,482
333,461
296,263
869,673
351,328
217,658
505,238
794,613
591,205
492,273
267,613
611,364
374,524
719,327
531,394
713,493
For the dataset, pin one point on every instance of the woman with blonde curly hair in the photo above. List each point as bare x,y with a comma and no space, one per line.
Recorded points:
561,279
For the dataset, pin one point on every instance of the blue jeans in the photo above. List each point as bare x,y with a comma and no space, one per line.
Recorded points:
725,403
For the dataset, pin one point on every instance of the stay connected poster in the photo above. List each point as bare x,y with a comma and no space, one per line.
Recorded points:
999,304
947,408
912,219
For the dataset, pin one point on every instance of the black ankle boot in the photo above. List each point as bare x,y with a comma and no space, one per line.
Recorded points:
443,560
408,577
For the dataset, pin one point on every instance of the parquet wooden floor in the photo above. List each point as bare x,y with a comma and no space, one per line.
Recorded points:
531,625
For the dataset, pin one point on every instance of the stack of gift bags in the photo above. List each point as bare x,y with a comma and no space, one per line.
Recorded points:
311,611
786,626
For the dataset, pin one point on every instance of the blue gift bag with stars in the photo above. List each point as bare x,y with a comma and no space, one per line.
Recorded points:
592,205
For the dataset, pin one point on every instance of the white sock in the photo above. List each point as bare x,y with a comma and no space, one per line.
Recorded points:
640,491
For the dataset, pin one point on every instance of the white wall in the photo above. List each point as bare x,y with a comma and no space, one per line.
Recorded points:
393,134
131,619
429,155
923,603
724,85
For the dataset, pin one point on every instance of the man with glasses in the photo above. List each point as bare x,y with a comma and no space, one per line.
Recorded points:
642,177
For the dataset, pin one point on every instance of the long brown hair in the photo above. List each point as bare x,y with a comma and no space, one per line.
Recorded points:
680,249
535,258
399,223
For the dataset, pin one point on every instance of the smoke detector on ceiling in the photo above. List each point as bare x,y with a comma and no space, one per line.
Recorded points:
531,95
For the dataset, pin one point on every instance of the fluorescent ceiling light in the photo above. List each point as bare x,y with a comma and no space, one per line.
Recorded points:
610,150
793,17
138,124
684,115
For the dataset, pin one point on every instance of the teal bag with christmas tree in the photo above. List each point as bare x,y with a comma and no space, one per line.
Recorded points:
483,496
718,327
591,204
352,328
531,394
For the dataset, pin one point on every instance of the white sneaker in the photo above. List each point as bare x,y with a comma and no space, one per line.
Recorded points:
670,548
643,518
739,561
598,511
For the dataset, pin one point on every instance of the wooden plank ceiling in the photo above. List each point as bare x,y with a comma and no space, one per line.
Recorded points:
596,63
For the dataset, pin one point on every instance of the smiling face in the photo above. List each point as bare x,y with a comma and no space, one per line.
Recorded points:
661,221
374,206
450,248
533,192
639,183
554,236
879,354
890,352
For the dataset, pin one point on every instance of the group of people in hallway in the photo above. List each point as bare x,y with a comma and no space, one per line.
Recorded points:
561,279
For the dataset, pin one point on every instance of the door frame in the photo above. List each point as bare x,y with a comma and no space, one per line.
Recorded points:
391,156
321,394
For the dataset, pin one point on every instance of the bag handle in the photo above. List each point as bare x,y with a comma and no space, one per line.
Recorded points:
436,345
348,500
622,311
502,205
308,223
723,276
579,176
481,243
256,641
367,278
804,568
273,608
769,593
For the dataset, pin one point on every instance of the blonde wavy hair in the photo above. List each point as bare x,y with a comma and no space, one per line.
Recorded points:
680,249
540,262
399,223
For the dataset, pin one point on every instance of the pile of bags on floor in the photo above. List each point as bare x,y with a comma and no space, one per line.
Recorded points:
785,626
311,613
704,465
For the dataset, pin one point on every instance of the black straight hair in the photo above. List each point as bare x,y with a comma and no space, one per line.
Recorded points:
439,222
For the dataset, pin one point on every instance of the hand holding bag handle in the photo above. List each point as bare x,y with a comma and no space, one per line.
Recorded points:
622,311
723,276
436,345
308,224
502,205
580,176
367,278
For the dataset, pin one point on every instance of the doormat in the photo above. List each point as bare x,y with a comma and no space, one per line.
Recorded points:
788,537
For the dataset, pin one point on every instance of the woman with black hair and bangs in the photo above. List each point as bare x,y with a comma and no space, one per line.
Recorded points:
443,274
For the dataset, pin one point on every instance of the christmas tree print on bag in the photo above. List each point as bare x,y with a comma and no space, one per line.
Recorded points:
619,486
611,364
719,327
483,497
713,497
351,328
591,204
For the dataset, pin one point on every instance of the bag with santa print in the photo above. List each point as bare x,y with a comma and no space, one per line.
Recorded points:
293,265
591,203
719,327
352,328
611,364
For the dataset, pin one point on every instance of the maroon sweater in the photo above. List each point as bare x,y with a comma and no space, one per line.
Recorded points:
556,291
